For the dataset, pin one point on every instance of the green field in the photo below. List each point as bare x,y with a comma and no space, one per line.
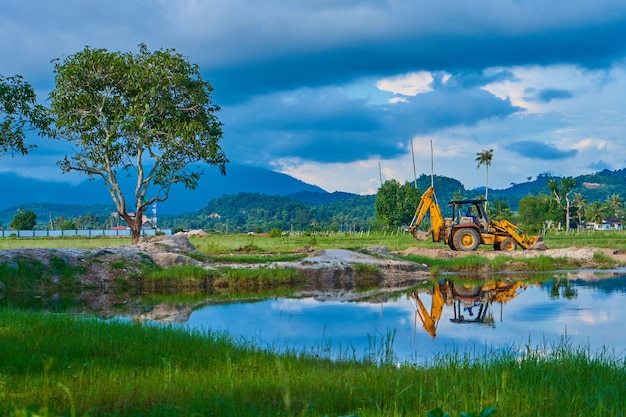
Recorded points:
56,364
394,241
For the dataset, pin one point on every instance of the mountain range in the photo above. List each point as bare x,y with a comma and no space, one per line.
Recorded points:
52,199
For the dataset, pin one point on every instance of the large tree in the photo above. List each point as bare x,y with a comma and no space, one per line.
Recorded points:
148,115
19,113
534,212
484,157
24,220
395,203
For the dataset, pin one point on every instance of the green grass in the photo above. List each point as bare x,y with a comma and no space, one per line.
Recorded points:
393,241
63,242
220,243
479,264
235,279
78,366
256,258
233,243
256,279
597,239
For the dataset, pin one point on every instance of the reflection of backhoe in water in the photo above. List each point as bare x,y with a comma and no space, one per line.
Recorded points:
464,298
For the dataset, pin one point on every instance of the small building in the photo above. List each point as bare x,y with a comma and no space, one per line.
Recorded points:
609,224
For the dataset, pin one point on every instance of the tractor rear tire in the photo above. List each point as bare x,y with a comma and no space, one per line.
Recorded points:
466,240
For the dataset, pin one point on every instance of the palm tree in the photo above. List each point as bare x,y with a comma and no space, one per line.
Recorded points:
616,203
484,157
595,212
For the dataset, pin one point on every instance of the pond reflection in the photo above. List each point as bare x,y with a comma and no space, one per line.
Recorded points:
471,303
445,317
451,315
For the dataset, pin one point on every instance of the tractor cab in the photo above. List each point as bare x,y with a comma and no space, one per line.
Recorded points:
469,211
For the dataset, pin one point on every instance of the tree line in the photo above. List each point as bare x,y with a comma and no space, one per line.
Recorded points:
392,208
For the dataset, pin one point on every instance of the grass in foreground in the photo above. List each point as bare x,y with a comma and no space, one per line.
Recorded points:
87,367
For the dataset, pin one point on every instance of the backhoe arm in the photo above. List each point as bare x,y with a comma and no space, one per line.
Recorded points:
428,204
429,320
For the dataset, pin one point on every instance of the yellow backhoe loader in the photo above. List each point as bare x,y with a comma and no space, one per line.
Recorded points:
469,226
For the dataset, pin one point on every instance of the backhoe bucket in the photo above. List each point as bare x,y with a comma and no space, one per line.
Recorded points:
420,235
538,244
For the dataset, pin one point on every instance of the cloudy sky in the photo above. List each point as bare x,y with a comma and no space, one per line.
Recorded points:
334,92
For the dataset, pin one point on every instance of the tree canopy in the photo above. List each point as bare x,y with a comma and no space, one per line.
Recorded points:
395,203
19,112
148,115
26,220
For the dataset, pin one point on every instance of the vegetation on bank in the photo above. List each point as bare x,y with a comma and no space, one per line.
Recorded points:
59,365
236,279
480,264
235,252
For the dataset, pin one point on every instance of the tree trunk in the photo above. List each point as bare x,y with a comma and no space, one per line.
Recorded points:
567,209
135,224
487,184
135,232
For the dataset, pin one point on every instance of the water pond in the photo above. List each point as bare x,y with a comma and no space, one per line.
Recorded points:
448,316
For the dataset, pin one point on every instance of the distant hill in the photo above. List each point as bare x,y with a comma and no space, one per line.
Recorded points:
53,199
19,191
254,212
320,198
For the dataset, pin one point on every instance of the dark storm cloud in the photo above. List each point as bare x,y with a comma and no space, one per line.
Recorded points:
327,126
539,150
447,108
592,44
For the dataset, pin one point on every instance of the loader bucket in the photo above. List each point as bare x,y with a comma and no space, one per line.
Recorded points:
538,244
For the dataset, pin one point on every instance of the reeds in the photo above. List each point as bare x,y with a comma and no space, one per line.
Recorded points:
81,366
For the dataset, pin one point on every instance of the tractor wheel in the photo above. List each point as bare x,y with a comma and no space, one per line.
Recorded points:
508,245
466,240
